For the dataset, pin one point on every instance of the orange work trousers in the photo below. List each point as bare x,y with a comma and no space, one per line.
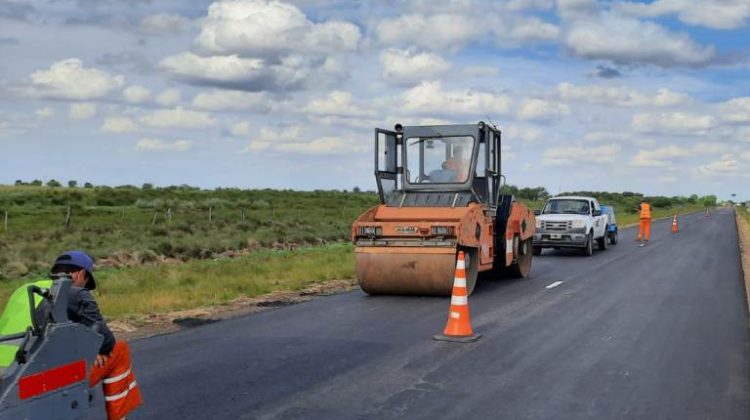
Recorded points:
121,392
644,230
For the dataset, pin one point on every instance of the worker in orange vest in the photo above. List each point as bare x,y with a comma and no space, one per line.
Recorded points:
644,230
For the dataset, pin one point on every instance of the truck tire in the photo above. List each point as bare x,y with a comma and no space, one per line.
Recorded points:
613,238
589,250
537,251
602,243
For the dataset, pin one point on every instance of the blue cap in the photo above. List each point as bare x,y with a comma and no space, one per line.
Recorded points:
78,259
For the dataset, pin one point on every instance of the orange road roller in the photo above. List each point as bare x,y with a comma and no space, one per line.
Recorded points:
440,193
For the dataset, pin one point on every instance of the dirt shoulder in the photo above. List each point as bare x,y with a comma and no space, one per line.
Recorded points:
157,324
743,227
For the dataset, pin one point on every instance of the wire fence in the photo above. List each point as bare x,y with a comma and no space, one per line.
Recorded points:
70,217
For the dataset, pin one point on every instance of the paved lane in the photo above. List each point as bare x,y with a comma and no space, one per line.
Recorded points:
634,333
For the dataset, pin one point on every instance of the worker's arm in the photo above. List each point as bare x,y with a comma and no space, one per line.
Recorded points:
86,312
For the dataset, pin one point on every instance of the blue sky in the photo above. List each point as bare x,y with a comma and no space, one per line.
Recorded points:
613,95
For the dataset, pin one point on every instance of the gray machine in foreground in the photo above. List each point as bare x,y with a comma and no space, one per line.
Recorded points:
49,377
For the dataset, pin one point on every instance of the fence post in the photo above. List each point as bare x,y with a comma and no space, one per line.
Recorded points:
210,214
68,216
6,220
153,221
169,215
242,215
122,214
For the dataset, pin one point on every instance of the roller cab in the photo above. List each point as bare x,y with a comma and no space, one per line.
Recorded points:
439,189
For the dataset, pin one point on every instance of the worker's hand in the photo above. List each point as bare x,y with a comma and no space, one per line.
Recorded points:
101,360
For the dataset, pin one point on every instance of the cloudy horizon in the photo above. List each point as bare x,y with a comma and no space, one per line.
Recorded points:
613,95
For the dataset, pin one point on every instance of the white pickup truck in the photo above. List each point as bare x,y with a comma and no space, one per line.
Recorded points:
570,222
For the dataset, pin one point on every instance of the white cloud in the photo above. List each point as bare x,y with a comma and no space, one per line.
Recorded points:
136,94
453,30
290,139
158,145
736,111
540,109
337,103
620,96
608,136
178,118
45,112
222,68
226,100
269,138
431,98
68,79
716,14
324,146
169,97
410,66
522,29
163,24
529,4
82,111
577,9
673,123
118,125
480,71
520,132
240,129
727,164
441,31
264,45
665,156
262,27
578,154
630,41
234,72
661,157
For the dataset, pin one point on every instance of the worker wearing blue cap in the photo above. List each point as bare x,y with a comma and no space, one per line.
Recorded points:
112,365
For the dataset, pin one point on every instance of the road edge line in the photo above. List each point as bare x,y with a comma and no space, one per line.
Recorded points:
743,230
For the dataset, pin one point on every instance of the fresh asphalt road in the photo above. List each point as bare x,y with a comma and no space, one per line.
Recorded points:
631,333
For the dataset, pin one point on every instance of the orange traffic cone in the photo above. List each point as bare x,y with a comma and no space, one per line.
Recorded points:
458,327
675,228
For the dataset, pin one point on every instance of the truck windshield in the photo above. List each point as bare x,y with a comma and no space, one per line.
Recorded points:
438,160
566,207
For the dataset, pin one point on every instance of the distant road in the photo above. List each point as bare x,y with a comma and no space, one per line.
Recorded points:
630,333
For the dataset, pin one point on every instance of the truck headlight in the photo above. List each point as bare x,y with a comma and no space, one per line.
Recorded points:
538,223
577,224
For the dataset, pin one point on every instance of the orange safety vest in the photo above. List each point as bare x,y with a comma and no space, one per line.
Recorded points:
645,211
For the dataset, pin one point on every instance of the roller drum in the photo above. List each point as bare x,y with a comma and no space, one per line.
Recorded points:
414,271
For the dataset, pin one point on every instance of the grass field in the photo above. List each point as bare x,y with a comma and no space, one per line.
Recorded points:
129,292
134,222
285,240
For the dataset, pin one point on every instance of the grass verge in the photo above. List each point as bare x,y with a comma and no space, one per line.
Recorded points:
743,227
129,293
624,220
